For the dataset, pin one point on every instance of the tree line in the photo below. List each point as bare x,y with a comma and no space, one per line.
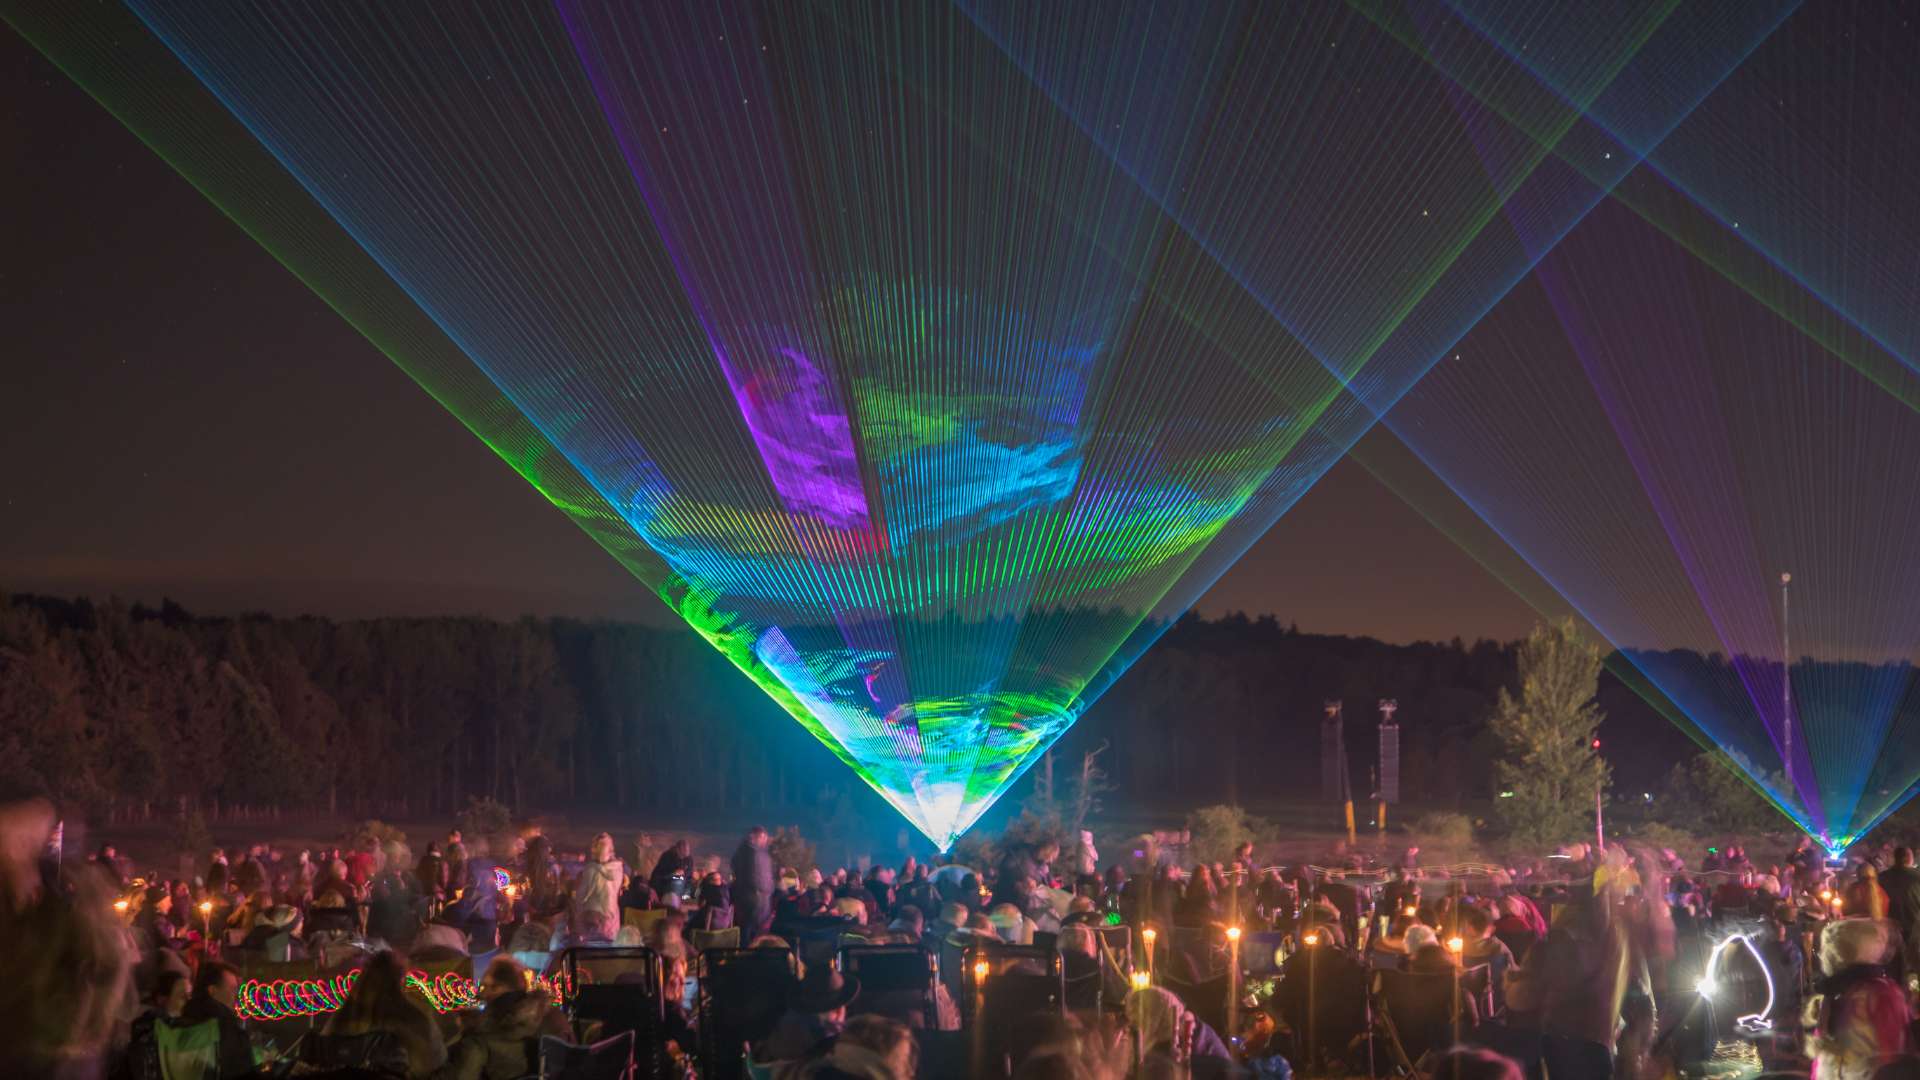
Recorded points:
126,712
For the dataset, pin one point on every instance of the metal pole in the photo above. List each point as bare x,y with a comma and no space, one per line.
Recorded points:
1786,683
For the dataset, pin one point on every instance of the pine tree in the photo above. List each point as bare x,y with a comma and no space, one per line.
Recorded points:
1552,766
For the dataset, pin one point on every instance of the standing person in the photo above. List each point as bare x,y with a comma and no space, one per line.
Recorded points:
596,892
478,910
431,871
1902,886
456,860
672,874
1858,1021
753,884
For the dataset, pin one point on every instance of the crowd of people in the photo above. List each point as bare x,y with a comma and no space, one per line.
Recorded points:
1585,964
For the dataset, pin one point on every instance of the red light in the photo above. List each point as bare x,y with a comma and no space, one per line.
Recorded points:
1596,744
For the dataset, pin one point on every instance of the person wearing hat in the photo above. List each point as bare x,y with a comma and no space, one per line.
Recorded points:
273,932
816,1013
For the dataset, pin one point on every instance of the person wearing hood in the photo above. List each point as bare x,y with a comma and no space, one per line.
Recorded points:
1859,1018
502,1045
596,892
816,1013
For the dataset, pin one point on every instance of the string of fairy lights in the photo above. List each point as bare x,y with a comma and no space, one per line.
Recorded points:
930,360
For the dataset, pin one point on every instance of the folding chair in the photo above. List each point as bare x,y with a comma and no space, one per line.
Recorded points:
702,940
896,981
608,1059
1012,991
1419,1013
622,989
742,994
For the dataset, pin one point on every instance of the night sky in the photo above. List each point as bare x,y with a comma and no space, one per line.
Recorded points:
186,419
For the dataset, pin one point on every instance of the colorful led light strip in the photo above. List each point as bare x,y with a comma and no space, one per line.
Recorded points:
281,999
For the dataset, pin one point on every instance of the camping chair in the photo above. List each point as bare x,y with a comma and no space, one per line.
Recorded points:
642,919
1022,990
742,994
188,1051
896,981
1323,998
702,940
623,990
608,1059
1418,1013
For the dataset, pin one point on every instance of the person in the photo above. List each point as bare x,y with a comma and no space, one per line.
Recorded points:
870,1048
716,910
379,1002
1472,1063
671,875
164,1004
596,892
1864,898
215,986
542,871
816,1012
1901,883
478,909
1859,1018
503,1043
1171,1035
753,883
431,872
455,855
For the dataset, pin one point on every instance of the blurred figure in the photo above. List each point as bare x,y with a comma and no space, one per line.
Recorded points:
596,892
380,1002
752,892
67,972
1859,1019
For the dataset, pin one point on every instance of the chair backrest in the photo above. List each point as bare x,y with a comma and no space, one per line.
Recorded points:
1423,1008
608,1059
702,940
742,994
1021,990
369,1050
188,1051
897,981
1262,953
1323,997
619,986
642,918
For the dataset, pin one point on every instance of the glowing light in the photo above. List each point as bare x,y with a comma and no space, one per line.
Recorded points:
980,971
1233,935
1456,944
1410,911
1312,939
1709,983
1141,980
206,907
120,905
832,503
1147,935
501,879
